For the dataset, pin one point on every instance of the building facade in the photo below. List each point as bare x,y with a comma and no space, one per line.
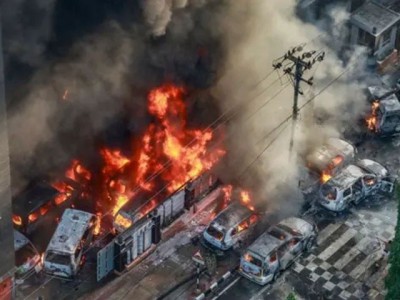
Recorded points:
7,260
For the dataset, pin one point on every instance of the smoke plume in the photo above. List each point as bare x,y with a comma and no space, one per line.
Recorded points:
267,30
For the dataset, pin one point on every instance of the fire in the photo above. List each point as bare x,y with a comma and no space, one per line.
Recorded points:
168,155
122,221
247,257
17,220
114,160
227,192
65,95
77,172
97,226
246,200
337,160
325,176
371,120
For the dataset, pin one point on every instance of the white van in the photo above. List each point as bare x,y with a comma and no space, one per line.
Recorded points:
355,183
228,227
71,238
276,249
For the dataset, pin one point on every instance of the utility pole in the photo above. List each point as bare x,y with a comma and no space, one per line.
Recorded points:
299,61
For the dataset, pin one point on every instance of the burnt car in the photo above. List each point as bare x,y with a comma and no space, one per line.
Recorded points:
384,117
27,258
64,254
354,183
228,227
36,206
276,249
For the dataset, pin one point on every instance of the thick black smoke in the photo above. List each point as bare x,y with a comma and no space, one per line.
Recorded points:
103,57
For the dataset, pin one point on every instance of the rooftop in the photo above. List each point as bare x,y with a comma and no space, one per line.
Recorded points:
346,177
69,231
374,18
232,215
265,244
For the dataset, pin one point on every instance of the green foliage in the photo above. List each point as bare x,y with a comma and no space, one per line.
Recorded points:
291,297
392,280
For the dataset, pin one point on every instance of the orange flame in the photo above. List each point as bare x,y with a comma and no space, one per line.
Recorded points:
371,120
17,220
122,221
246,200
77,172
325,176
114,160
97,226
227,191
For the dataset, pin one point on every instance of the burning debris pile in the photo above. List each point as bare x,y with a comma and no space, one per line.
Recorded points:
167,156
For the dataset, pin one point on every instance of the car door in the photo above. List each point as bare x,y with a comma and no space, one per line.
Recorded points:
285,256
357,190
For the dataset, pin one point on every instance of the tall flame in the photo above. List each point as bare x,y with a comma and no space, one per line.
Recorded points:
371,120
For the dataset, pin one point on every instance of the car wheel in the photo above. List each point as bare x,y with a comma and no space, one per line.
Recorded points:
310,243
276,275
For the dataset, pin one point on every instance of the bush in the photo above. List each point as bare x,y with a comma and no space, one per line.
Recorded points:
291,297
392,280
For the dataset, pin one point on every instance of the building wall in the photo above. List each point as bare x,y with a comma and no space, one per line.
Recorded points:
6,227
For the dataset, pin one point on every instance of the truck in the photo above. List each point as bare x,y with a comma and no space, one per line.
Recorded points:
228,227
74,233
275,250
355,183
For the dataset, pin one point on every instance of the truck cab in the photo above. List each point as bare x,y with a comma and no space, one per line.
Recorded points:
228,227
276,249
355,183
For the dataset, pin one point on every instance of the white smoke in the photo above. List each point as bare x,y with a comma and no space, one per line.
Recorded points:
258,32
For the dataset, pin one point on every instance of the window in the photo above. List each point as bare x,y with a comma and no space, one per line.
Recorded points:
366,39
282,250
211,230
347,192
61,259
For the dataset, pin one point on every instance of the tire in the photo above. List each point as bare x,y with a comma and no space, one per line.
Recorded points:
276,275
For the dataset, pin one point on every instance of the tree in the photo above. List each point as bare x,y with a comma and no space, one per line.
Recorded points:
291,297
392,280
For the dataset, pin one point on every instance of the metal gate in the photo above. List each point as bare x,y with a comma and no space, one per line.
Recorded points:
105,261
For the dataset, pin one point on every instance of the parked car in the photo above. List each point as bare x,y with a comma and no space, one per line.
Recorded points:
27,258
228,227
275,250
37,207
72,237
355,183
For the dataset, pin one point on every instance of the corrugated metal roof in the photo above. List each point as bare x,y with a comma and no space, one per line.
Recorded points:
69,231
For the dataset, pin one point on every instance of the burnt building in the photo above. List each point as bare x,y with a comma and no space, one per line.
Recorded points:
6,227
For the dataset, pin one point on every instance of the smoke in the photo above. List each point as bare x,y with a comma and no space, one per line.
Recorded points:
257,33
75,102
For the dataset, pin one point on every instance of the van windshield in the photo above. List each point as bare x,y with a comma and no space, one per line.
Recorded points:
23,254
214,232
58,258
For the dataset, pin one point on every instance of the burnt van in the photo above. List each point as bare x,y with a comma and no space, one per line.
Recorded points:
228,227
72,237
332,156
27,258
355,183
275,250
37,207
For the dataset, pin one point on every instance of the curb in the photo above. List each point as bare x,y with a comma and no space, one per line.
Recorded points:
215,285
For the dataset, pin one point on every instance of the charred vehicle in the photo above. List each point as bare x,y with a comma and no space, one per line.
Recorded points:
228,227
355,183
37,205
332,156
63,256
275,250
27,258
384,117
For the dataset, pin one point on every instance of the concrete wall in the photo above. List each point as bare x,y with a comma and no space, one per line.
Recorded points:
6,227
